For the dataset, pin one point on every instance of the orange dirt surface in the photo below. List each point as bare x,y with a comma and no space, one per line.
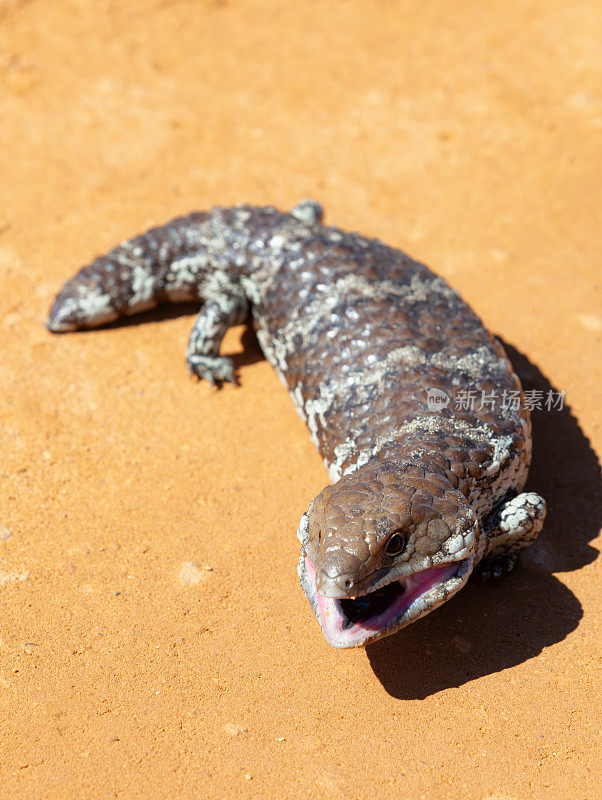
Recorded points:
154,640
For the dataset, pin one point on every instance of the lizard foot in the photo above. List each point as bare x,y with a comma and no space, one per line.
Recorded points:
514,524
308,211
215,369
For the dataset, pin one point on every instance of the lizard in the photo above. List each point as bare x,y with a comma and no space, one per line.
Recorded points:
411,401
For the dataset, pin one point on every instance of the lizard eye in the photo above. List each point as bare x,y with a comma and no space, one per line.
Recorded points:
395,545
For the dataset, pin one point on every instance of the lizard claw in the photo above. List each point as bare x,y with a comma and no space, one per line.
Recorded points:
215,369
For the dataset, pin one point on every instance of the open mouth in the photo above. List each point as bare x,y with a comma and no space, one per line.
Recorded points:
351,622
363,609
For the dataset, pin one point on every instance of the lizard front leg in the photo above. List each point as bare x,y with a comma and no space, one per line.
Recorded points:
510,528
226,307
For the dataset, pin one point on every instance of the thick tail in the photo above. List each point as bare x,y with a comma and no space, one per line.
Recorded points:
168,263
133,277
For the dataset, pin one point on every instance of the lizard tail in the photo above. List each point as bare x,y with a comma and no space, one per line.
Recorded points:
132,277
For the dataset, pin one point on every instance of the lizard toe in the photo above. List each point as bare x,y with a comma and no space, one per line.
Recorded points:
215,369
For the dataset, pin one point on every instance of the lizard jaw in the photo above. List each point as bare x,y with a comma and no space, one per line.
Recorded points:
357,622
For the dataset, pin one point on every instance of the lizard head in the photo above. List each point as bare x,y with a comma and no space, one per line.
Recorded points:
383,547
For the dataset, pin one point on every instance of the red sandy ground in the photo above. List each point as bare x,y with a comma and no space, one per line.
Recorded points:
466,133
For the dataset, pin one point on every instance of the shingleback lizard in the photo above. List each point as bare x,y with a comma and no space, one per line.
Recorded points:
398,380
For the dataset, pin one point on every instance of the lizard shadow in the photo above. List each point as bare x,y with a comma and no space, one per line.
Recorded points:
486,629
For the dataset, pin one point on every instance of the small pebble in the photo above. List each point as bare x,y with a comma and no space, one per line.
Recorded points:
191,574
5,533
234,729
10,577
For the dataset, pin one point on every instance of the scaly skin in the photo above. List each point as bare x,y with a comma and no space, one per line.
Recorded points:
359,333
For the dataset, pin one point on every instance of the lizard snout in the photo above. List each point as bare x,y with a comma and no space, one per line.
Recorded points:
338,575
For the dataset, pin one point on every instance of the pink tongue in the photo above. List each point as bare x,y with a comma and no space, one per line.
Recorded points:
332,617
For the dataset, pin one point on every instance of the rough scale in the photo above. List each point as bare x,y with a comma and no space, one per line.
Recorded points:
426,484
